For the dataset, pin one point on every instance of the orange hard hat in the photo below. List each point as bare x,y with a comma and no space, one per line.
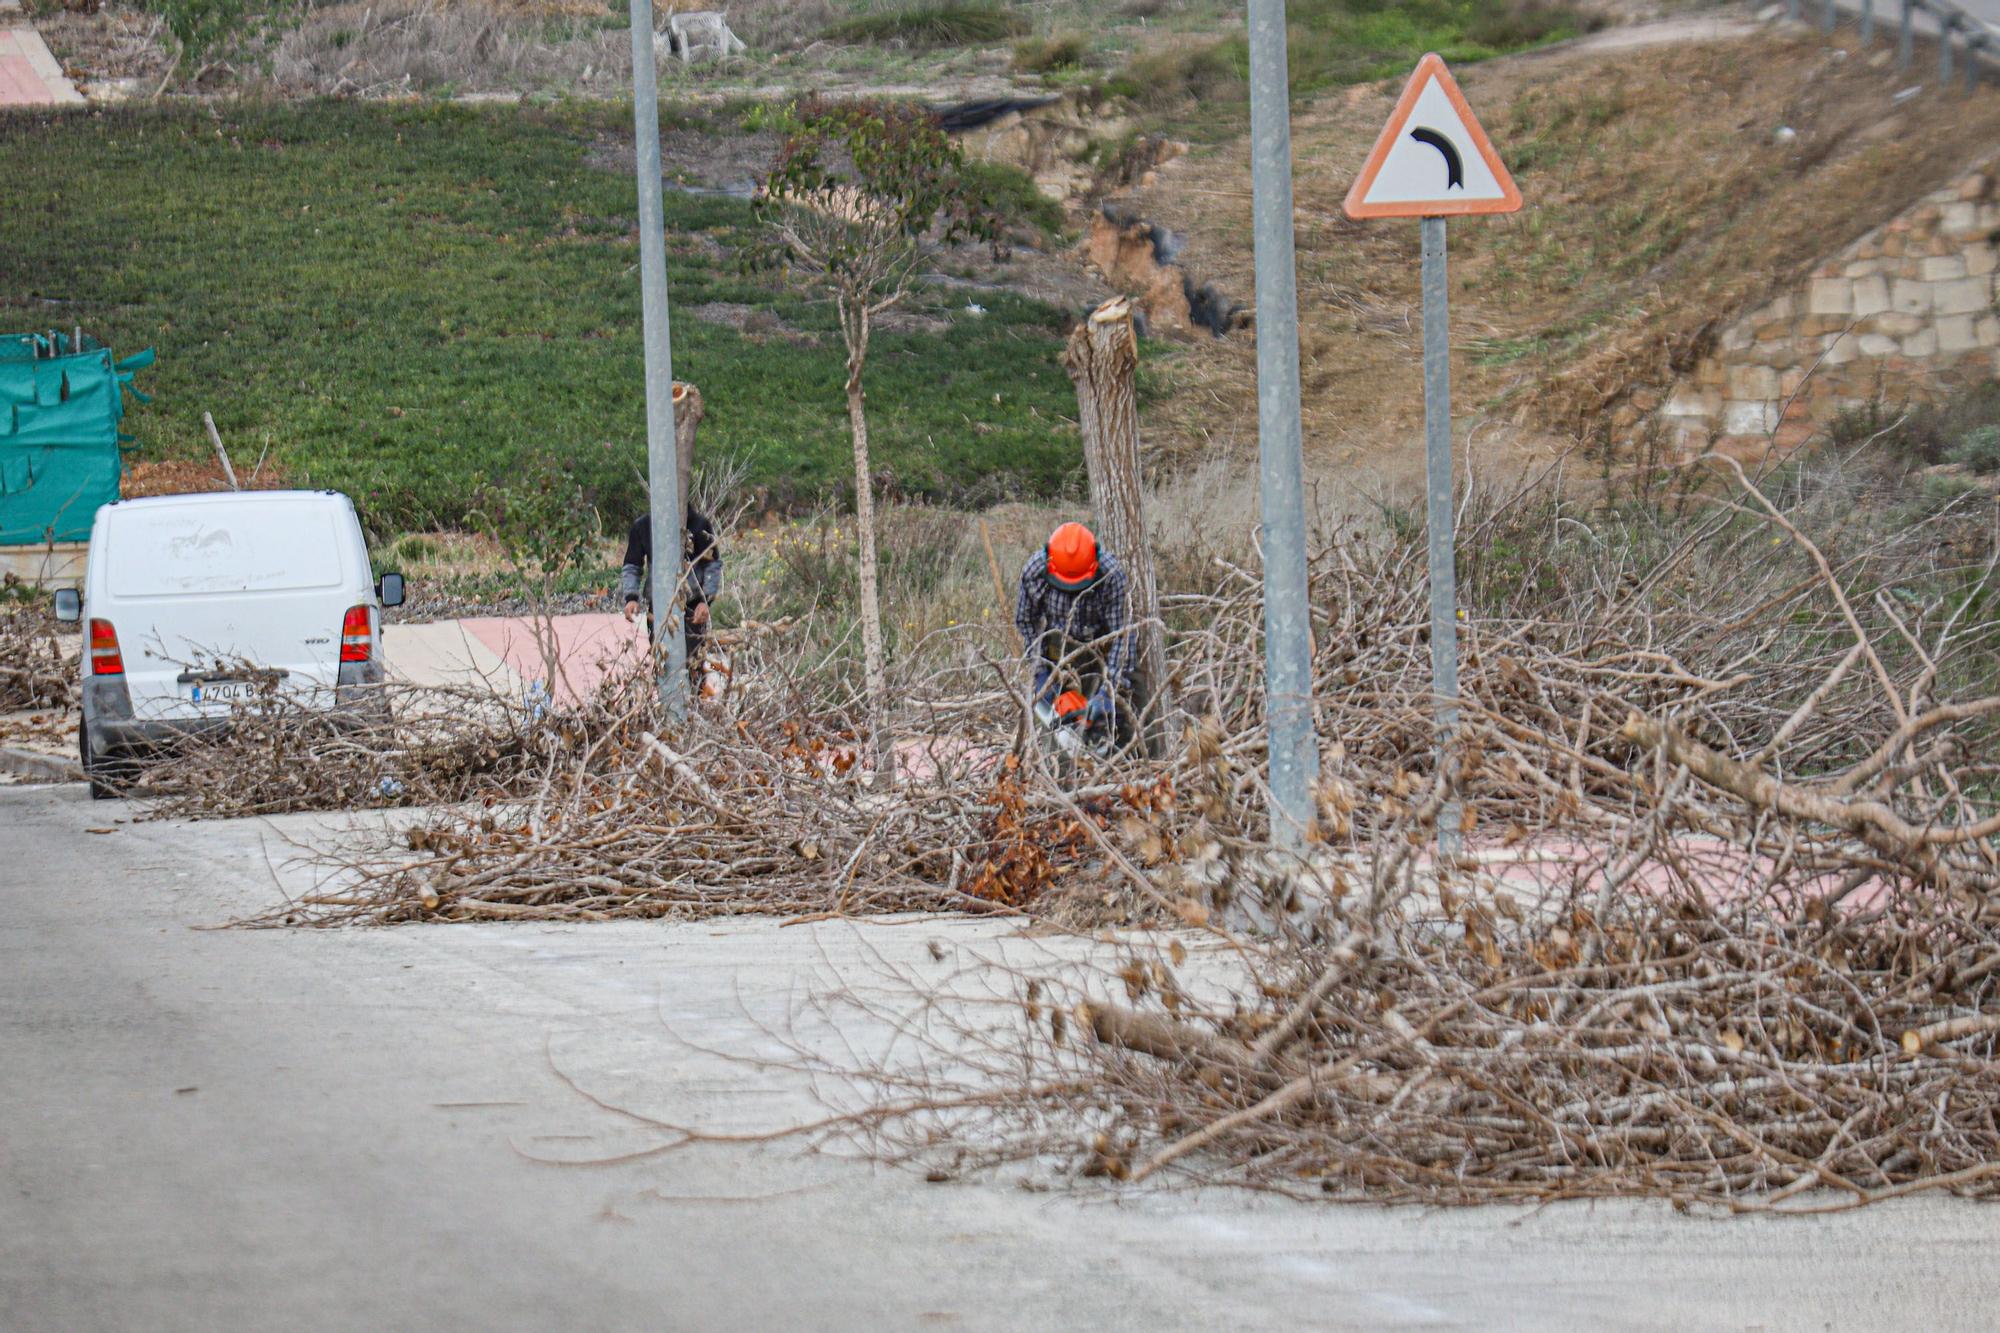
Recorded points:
1069,703
1072,557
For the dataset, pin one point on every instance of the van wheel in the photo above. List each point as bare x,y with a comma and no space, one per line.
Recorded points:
107,780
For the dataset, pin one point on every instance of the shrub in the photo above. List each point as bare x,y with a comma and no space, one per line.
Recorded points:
222,29
921,550
1926,434
1979,450
413,549
1040,55
1176,74
813,567
1506,27
544,521
1012,195
932,26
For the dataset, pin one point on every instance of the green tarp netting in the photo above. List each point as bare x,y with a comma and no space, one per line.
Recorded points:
61,398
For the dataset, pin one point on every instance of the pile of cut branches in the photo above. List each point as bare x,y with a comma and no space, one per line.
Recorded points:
431,745
34,670
598,809
1722,927
1441,1051
1757,718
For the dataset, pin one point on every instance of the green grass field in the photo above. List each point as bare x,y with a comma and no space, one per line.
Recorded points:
409,302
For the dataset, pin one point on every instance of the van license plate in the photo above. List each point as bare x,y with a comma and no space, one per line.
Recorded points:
221,691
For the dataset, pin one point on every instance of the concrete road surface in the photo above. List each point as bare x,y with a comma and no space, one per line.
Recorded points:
304,1130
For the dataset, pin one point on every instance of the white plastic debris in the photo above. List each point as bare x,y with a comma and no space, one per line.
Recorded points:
700,36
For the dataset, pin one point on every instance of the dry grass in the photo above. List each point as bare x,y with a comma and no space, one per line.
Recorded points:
1660,202
516,46
503,47
111,43
376,50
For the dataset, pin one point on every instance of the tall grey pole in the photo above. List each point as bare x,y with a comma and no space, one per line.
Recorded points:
1903,37
662,462
1288,713
1867,21
1945,26
1438,497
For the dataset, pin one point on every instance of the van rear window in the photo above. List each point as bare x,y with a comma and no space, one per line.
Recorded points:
171,550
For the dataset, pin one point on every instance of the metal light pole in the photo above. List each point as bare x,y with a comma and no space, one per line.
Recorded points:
662,464
1438,495
1288,714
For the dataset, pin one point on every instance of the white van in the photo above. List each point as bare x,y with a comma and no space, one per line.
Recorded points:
194,605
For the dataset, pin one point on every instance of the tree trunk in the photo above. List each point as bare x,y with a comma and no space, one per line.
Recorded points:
875,672
687,419
1102,358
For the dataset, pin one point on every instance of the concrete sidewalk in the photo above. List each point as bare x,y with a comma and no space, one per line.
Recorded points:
29,75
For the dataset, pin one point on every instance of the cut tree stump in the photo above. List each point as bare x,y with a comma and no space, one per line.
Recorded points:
1102,359
688,412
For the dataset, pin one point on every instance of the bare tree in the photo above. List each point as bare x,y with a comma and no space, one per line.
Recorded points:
1102,358
857,189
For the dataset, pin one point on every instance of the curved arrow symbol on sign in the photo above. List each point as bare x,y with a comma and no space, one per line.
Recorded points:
1454,166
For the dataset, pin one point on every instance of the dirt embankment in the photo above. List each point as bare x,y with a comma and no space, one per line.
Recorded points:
1667,188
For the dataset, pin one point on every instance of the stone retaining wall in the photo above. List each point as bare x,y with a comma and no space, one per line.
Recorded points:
1904,314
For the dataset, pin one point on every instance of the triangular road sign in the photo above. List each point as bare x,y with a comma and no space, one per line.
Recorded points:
1433,159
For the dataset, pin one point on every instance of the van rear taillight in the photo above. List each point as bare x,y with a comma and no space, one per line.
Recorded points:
105,659
357,635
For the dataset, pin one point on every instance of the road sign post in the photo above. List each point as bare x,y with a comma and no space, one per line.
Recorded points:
1433,161
669,650
1288,721
1439,513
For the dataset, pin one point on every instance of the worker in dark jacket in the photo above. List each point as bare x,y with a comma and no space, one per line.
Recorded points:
702,561
1074,614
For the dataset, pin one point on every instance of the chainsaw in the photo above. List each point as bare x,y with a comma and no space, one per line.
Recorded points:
1067,720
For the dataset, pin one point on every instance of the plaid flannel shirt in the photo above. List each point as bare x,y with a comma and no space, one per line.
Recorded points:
1101,611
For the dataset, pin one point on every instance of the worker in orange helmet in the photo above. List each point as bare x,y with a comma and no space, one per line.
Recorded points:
1074,614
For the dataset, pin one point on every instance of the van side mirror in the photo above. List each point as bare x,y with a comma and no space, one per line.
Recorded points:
69,605
389,589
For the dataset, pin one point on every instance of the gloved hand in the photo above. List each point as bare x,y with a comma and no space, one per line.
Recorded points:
1045,685
1102,713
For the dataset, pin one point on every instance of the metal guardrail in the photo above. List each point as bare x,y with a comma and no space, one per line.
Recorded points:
1977,40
